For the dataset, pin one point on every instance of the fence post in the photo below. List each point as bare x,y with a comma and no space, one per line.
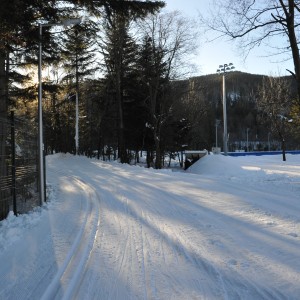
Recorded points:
13,161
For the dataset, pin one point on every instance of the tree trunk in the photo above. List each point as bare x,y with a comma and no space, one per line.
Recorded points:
157,130
137,158
170,159
119,89
157,153
158,164
283,149
290,18
99,146
122,149
149,159
3,125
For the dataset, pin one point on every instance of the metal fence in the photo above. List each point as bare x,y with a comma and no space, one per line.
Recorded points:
18,166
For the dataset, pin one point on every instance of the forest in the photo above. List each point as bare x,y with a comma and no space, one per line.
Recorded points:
188,115
127,65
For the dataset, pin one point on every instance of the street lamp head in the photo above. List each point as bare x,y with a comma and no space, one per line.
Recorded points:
73,21
65,22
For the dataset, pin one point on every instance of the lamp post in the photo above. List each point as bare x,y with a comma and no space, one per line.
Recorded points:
42,177
223,69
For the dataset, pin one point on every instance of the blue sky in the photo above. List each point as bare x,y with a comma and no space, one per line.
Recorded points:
213,54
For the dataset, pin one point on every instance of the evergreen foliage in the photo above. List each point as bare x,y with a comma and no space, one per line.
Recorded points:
130,95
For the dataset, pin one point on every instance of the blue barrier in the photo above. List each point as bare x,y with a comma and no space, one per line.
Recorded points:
259,153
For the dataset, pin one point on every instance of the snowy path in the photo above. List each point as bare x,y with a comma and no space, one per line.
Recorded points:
121,232
51,253
70,271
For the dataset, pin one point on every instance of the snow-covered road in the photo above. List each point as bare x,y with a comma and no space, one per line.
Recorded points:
115,231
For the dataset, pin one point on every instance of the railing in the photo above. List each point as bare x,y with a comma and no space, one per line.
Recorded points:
260,153
18,166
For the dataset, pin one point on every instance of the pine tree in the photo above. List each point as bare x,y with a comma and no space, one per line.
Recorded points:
78,52
119,53
152,70
78,61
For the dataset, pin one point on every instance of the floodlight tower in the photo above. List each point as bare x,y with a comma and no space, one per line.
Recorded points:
223,69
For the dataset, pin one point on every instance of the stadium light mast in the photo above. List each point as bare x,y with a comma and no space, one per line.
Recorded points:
223,69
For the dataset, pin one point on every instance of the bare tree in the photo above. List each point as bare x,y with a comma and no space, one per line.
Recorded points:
169,40
274,104
255,22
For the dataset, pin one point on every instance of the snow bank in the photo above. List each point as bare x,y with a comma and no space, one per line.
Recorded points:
254,168
217,166
13,227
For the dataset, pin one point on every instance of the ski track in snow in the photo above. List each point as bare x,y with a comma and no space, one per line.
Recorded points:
71,248
133,233
69,274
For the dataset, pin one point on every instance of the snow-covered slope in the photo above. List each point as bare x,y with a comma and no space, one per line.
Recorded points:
229,228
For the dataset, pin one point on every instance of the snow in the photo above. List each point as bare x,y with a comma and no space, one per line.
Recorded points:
227,228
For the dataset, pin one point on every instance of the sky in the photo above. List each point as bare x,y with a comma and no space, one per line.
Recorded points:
228,228
221,51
